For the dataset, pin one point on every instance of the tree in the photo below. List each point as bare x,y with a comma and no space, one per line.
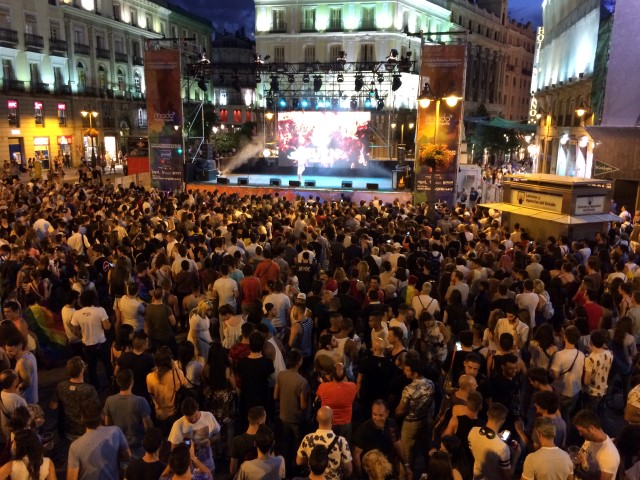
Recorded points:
495,140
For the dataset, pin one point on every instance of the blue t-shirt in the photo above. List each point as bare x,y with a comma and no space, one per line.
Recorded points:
97,454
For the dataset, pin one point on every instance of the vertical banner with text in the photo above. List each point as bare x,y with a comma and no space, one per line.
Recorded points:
164,114
438,125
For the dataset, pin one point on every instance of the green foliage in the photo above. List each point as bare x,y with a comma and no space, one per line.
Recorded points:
227,141
494,139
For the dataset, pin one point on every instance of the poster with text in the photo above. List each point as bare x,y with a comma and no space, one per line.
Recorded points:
164,116
438,125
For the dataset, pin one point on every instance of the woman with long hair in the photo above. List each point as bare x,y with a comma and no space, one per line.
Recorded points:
455,314
199,334
189,364
440,467
29,462
376,465
163,384
623,347
452,446
542,347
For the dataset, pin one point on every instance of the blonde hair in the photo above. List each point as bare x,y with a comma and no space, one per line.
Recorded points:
538,286
376,465
202,308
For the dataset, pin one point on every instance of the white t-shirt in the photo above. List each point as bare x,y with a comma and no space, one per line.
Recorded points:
547,463
519,331
397,323
529,301
570,382
424,302
601,457
67,313
206,427
281,303
89,319
492,456
132,312
226,288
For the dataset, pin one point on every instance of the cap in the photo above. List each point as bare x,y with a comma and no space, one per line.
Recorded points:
301,297
397,246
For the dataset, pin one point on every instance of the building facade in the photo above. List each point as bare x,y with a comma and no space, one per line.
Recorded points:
62,57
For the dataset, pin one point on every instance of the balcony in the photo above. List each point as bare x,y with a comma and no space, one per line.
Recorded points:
335,27
103,53
138,60
308,27
279,27
35,42
56,45
137,95
81,49
12,85
39,87
60,89
122,57
367,26
87,91
8,37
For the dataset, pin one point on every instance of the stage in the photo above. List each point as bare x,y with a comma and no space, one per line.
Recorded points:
328,188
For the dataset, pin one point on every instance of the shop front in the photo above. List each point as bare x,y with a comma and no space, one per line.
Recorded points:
65,146
42,151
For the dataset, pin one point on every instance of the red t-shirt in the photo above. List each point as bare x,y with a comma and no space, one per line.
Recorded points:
339,396
251,289
594,314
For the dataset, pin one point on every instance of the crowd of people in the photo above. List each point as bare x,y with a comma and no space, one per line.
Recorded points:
269,337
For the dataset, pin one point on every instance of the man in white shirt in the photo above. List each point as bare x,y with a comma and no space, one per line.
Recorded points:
199,427
528,300
493,458
226,288
567,367
281,303
598,458
549,462
181,254
513,325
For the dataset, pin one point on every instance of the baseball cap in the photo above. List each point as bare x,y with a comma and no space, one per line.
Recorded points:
301,297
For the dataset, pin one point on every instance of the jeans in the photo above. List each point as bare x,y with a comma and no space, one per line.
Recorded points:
94,353
292,436
567,407
411,434
591,402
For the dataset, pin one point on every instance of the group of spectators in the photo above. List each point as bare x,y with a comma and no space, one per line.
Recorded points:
268,337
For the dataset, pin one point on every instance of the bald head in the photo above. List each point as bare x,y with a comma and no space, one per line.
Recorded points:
467,383
325,417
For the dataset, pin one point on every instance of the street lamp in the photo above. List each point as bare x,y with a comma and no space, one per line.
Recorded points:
92,114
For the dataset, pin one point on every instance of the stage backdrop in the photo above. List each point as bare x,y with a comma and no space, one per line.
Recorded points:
164,113
437,150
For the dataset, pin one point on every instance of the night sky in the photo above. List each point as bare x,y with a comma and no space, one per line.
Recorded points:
230,15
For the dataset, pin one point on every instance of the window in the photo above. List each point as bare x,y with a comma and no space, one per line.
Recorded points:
309,53
54,30
5,17
117,9
100,41
277,20
309,20
118,45
38,113
34,75
149,23
13,115
7,69
278,54
122,85
335,19
142,118
334,51
62,114
134,16
30,24
58,77
174,31
223,101
135,47
367,52
82,78
102,78
368,18
78,35
137,82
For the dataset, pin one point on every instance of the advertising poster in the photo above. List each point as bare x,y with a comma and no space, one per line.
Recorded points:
438,125
164,114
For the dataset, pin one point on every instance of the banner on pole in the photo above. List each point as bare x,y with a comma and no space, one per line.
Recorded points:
164,117
438,125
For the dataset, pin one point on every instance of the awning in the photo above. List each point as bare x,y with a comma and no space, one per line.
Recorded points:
600,133
503,123
551,216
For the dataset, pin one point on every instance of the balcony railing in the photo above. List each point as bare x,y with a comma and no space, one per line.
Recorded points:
88,91
335,27
307,27
12,85
81,49
122,57
279,27
56,45
367,25
33,41
61,89
103,53
8,36
39,87
138,60
137,95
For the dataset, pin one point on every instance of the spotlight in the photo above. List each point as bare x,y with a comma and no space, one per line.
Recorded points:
340,78
317,83
354,103
380,78
380,105
305,78
291,79
282,103
275,84
359,83
367,103
396,83
304,103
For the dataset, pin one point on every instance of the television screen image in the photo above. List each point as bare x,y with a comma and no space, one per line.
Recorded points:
323,139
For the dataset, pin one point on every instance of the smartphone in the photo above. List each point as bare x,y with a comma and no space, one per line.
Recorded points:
504,435
458,346
187,443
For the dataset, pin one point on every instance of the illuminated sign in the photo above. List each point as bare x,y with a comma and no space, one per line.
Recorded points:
12,104
62,106
37,105
590,205
543,201
41,141
15,131
65,140
533,106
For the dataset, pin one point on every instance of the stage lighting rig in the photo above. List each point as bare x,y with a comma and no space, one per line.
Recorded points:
340,78
275,84
305,78
291,78
317,83
354,103
380,77
359,82
380,106
396,82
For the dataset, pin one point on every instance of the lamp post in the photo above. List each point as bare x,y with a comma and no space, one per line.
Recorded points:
424,101
92,114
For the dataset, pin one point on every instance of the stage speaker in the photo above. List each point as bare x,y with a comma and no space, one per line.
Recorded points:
243,180
274,182
294,183
309,183
223,181
372,186
206,175
347,184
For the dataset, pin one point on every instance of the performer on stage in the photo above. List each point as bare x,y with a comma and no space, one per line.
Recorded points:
302,164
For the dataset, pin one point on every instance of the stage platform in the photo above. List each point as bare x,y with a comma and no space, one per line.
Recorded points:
328,188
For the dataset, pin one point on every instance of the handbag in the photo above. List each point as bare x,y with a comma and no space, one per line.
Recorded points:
182,393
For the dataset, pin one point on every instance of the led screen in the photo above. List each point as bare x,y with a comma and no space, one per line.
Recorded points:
323,139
